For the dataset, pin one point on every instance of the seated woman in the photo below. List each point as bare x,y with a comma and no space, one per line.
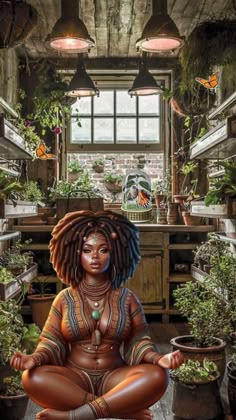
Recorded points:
95,358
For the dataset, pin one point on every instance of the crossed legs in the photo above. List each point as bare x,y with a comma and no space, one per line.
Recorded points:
65,396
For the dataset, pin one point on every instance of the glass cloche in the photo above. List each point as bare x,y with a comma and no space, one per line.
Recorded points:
136,196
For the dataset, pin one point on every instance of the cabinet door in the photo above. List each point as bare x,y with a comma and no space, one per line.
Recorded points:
146,283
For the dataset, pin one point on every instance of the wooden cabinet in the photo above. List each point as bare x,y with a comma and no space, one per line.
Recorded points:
167,255
147,282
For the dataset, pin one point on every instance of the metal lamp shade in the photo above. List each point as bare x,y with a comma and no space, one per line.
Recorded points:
81,84
160,34
69,33
144,84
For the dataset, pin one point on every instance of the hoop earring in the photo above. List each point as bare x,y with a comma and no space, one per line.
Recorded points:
113,273
78,273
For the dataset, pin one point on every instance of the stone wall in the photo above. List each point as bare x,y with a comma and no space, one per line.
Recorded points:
150,163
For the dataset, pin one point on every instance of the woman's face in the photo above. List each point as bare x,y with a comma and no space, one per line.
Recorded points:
95,257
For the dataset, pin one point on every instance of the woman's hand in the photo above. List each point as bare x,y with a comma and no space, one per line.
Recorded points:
21,361
171,360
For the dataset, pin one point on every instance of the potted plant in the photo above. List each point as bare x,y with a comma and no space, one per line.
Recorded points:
210,321
11,204
98,165
196,391
231,374
74,169
222,188
14,336
113,182
206,250
77,195
40,299
32,192
14,259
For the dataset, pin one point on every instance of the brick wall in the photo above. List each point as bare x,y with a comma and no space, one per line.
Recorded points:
150,163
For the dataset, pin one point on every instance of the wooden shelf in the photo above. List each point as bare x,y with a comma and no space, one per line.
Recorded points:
33,228
183,246
178,278
36,247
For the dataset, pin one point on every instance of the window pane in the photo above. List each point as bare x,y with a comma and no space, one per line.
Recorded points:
149,104
103,130
83,105
104,104
126,130
81,134
149,130
124,103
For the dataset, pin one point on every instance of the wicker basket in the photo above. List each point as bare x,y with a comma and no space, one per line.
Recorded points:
138,216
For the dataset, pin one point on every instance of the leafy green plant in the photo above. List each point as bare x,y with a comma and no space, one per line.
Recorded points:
15,336
187,169
74,166
193,372
204,252
82,187
113,178
208,315
13,256
222,187
98,162
9,188
5,275
223,276
13,385
32,192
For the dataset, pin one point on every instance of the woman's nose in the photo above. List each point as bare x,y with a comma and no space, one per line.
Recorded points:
94,254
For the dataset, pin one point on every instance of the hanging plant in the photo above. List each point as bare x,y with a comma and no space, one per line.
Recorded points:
50,107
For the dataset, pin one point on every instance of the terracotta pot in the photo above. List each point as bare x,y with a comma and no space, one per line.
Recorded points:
214,353
172,213
231,373
40,307
13,407
161,216
190,220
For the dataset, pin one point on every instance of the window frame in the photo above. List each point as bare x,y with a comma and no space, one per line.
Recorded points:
125,82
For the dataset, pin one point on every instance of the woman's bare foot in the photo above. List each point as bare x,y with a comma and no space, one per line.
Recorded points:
50,414
144,414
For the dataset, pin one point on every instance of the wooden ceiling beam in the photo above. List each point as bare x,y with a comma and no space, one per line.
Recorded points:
115,63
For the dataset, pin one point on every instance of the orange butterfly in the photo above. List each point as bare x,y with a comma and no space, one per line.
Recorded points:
41,152
211,83
143,198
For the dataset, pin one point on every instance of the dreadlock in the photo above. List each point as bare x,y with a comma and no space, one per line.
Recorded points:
70,233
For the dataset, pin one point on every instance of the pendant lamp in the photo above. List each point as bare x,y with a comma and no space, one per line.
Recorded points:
81,84
69,33
160,33
144,84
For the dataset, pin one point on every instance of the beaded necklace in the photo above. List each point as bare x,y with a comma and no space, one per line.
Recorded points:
95,293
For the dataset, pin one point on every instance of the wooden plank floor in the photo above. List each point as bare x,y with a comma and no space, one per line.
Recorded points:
162,333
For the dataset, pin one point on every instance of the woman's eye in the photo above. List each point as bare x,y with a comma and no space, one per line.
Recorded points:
86,251
104,250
